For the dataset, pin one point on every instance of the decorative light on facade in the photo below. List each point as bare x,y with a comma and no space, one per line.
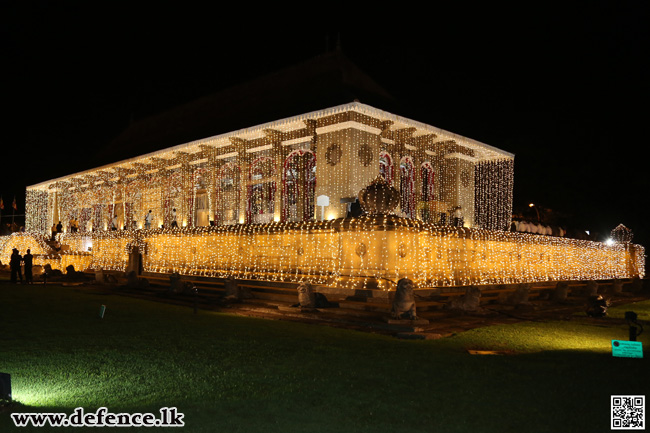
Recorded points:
246,204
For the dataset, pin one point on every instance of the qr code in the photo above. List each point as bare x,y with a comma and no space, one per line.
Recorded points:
628,412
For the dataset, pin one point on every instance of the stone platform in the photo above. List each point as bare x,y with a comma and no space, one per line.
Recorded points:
371,315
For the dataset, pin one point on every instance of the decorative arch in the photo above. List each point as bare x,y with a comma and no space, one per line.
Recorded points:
299,186
406,185
428,181
261,191
386,167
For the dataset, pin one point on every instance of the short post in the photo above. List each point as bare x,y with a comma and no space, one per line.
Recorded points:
630,318
632,333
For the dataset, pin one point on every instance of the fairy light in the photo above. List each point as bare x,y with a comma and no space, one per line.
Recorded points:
258,186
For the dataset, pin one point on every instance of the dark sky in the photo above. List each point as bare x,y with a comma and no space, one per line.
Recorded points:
565,88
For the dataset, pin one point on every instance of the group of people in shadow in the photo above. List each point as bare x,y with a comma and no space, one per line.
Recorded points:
17,263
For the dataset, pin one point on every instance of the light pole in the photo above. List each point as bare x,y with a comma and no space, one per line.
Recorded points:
539,220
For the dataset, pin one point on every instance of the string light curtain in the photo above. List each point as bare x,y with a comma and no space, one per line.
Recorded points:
246,206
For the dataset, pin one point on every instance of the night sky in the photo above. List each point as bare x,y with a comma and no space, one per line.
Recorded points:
565,88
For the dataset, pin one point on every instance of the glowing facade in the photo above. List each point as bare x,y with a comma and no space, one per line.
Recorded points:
274,172
247,205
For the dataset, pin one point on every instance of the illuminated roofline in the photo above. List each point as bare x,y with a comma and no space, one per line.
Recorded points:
256,130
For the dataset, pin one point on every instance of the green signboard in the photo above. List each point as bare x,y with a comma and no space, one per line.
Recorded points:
627,349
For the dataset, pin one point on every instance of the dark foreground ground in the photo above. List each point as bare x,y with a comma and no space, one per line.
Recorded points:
553,370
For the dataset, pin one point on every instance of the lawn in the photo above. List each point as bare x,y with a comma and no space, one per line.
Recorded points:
227,373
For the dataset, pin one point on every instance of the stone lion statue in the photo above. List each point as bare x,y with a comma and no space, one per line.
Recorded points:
404,301
307,298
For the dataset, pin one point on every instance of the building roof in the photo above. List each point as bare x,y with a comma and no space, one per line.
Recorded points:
327,80
279,101
222,143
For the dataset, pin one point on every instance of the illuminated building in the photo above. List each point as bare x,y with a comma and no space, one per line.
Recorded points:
270,173
245,203
261,187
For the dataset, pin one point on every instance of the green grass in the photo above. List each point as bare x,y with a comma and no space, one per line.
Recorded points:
236,374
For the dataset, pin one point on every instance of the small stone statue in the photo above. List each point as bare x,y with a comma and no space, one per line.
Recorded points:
234,292
307,298
177,285
470,301
561,292
518,297
132,280
597,306
404,302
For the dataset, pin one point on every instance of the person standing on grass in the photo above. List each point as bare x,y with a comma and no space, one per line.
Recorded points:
28,260
14,264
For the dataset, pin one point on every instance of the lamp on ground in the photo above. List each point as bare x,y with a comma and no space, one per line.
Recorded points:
323,201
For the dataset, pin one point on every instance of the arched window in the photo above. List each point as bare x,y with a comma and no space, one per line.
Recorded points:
407,196
299,186
386,167
428,179
261,191
228,194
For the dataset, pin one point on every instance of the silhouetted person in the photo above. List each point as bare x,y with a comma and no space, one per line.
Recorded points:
28,261
114,223
355,209
14,264
59,227
174,223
